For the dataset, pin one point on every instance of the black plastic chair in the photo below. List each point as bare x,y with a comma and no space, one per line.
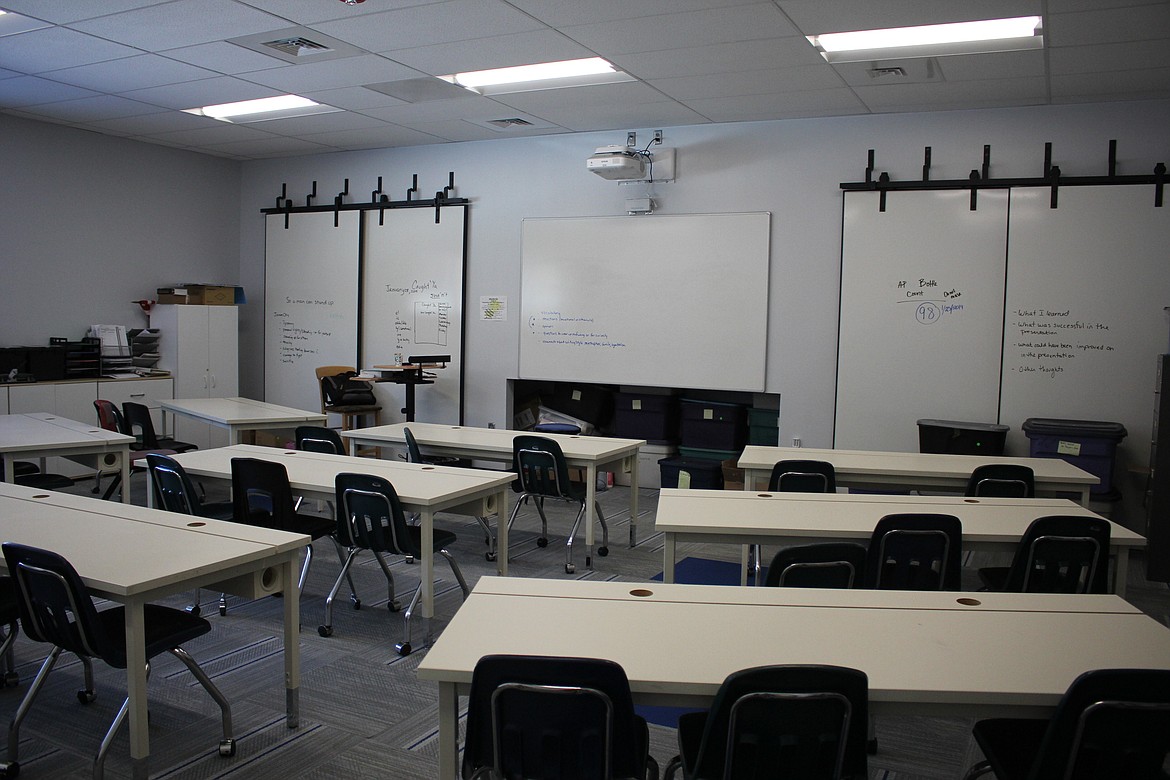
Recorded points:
1110,724
1056,554
823,565
139,424
30,475
9,617
778,722
414,455
915,552
314,438
1002,480
56,608
794,476
542,473
174,492
112,420
262,496
552,718
370,517
803,476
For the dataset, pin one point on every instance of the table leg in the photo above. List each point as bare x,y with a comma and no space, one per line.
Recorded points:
124,462
292,639
448,731
426,520
745,562
9,469
135,627
634,500
668,557
590,511
502,532
1120,570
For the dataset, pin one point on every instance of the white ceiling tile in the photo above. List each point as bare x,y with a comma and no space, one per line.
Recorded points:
460,130
905,97
65,11
376,137
331,74
171,25
748,108
630,93
499,51
582,118
273,146
684,30
352,98
215,133
55,48
1139,84
164,121
438,110
754,82
1110,57
311,11
720,58
1004,65
457,20
224,57
31,91
145,70
93,109
1139,23
817,16
320,123
562,13
206,92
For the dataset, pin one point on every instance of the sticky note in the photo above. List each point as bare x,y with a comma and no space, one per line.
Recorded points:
1068,448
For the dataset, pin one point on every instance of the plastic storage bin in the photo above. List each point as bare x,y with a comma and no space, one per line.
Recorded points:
591,403
712,426
763,427
961,438
1087,444
705,474
646,416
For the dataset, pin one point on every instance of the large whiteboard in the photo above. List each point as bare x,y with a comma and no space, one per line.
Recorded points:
310,299
921,319
412,303
1087,283
663,301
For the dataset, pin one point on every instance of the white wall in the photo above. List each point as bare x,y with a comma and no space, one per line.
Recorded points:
89,223
791,168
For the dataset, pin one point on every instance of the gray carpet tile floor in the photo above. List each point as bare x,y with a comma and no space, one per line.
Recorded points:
364,713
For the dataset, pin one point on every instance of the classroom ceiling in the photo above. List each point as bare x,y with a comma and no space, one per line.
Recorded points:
129,67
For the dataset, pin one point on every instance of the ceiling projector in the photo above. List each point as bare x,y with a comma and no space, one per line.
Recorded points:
617,162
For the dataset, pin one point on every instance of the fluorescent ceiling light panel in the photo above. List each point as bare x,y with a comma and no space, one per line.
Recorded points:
280,107
933,40
544,75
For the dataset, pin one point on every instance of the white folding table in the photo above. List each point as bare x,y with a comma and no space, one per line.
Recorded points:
42,434
421,488
239,414
743,518
135,555
925,653
589,453
913,470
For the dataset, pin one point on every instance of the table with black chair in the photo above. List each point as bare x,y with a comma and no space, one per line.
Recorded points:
42,435
931,653
738,517
877,470
135,555
422,488
239,415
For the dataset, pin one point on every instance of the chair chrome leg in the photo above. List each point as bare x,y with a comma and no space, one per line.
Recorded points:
99,761
457,572
341,553
326,629
569,567
227,746
978,770
488,537
403,647
391,600
24,707
305,568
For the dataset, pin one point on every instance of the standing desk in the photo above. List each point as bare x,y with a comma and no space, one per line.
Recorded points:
41,434
925,653
135,555
913,470
743,518
590,453
421,488
239,414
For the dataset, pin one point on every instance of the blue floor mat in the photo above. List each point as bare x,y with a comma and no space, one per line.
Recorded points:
704,571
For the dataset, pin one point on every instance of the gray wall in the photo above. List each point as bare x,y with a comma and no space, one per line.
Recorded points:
790,168
89,223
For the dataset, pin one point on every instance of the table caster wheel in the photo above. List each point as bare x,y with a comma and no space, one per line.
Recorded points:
490,556
570,568
603,551
394,606
11,679
11,769
356,602
194,610
227,747
86,697
403,648
325,630
223,611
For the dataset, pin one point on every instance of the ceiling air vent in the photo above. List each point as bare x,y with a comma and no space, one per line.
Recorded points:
297,47
504,124
888,72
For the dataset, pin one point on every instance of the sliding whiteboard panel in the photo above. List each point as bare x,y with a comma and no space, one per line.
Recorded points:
921,321
412,304
665,301
310,297
1087,283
